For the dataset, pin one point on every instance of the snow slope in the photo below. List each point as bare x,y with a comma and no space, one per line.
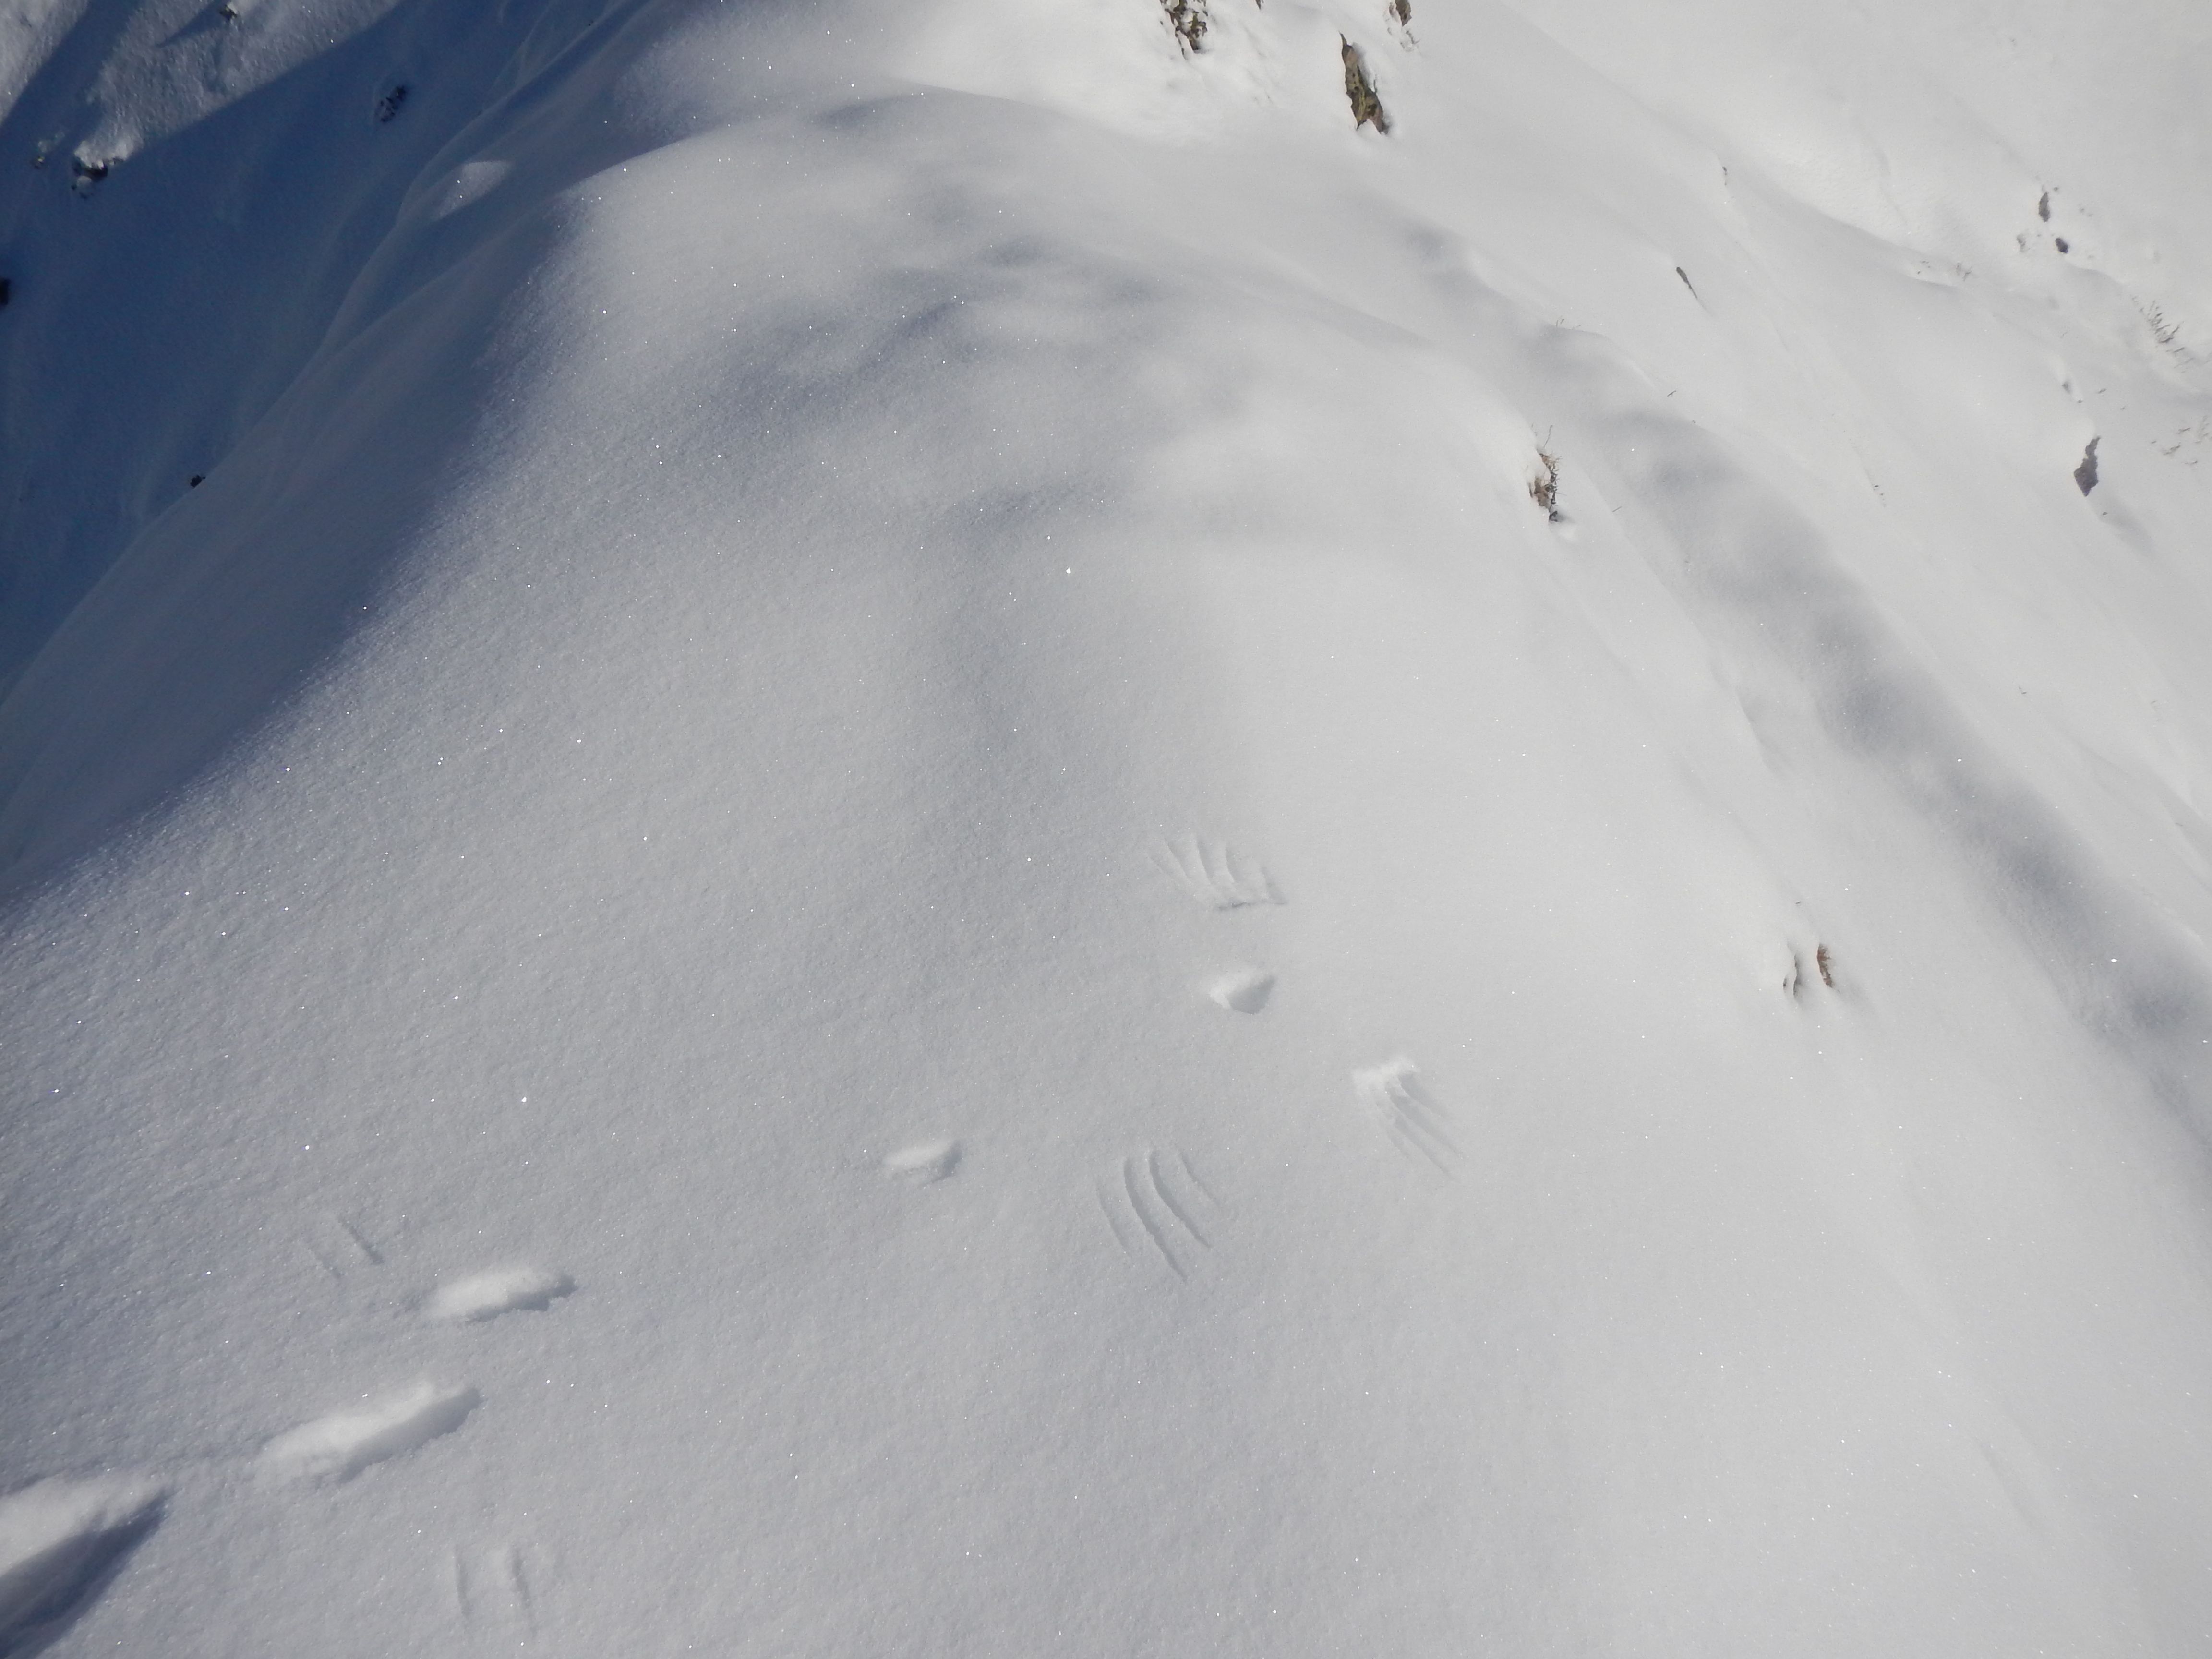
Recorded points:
866,880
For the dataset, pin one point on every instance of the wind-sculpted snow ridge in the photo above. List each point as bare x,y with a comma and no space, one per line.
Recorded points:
1104,827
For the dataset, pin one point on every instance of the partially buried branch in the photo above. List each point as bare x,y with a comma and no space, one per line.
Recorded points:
1543,488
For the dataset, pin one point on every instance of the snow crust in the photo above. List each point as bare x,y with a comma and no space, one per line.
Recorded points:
787,609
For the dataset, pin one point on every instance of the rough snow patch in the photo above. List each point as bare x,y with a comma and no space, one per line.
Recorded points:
341,1445
496,1290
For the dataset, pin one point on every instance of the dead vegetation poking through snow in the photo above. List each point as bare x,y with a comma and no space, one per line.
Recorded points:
1187,19
1359,87
1543,488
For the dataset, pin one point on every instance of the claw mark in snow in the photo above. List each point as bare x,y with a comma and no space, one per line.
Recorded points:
499,1578
500,1289
1164,1197
920,1164
340,1246
62,1542
1213,874
1395,1095
507,1564
338,1447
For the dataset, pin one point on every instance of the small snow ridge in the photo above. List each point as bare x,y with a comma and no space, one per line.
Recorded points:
472,181
1214,874
61,1543
499,1289
340,1446
1395,1095
927,1161
1244,992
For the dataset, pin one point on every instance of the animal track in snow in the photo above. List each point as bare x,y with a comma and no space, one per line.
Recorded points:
497,1583
62,1542
923,1162
1395,1095
341,1248
338,1447
487,1295
1245,990
1157,1201
1215,874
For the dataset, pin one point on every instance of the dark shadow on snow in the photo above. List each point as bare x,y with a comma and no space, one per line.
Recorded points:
41,1598
149,624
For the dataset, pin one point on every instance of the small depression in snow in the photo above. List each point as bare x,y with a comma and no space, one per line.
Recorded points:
499,1289
1245,990
923,1162
338,1447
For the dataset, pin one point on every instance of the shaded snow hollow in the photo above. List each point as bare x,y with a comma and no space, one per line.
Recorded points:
943,832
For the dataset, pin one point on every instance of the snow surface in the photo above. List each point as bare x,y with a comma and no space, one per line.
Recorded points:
890,678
